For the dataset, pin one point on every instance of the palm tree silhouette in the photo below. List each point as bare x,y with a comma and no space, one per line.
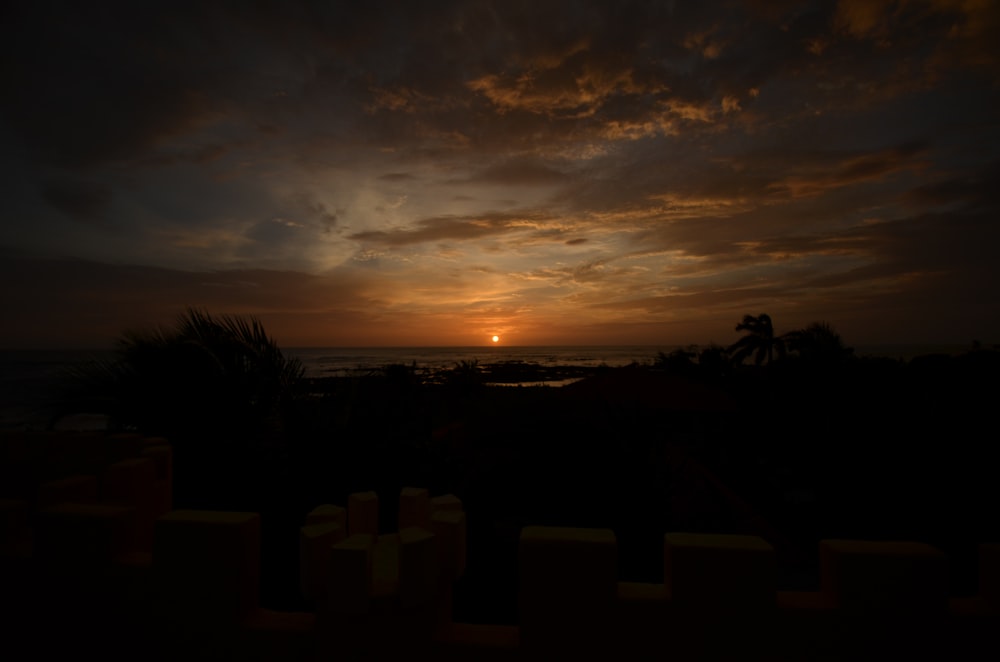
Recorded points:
206,372
219,388
759,340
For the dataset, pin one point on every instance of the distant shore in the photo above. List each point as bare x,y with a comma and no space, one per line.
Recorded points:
30,392
29,379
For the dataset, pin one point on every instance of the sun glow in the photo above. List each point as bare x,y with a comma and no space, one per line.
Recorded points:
496,338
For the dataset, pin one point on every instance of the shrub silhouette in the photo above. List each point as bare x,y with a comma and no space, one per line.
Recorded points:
205,376
818,343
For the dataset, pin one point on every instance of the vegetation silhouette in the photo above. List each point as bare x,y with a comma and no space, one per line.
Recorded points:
817,343
206,372
832,447
214,386
466,377
679,361
759,340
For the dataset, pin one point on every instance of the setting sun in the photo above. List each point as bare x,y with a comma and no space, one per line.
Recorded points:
496,338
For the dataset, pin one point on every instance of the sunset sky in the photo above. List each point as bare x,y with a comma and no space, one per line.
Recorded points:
434,173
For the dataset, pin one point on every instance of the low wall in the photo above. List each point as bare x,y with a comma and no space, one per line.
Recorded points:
93,557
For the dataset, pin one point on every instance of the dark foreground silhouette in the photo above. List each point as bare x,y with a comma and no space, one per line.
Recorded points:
808,443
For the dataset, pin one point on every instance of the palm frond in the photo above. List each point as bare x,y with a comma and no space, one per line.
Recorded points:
203,371
758,342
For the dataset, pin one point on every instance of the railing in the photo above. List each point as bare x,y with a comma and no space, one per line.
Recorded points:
93,554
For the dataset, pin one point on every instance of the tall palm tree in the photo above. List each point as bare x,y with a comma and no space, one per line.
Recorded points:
759,340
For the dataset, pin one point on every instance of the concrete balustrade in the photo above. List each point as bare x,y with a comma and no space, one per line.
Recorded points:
362,514
123,446
315,541
889,597
72,453
387,592
162,458
206,566
350,574
77,543
418,567
414,508
75,489
446,502
884,577
133,483
448,527
721,594
327,514
385,572
403,569
387,595
567,588
719,572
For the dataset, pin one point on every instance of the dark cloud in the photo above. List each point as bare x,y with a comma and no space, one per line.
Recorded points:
852,170
327,218
87,84
78,199
944,242
939,261
209,153
976,189
518,172
445,229
272,240
597,67
97,301
647,156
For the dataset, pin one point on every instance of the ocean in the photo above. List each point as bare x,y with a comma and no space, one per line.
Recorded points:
333,362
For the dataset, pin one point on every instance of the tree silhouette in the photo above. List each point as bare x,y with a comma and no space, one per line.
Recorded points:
759,340
678,362
204,375
217,388
713,362
817,343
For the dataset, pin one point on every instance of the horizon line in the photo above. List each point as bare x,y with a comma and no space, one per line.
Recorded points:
855,346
